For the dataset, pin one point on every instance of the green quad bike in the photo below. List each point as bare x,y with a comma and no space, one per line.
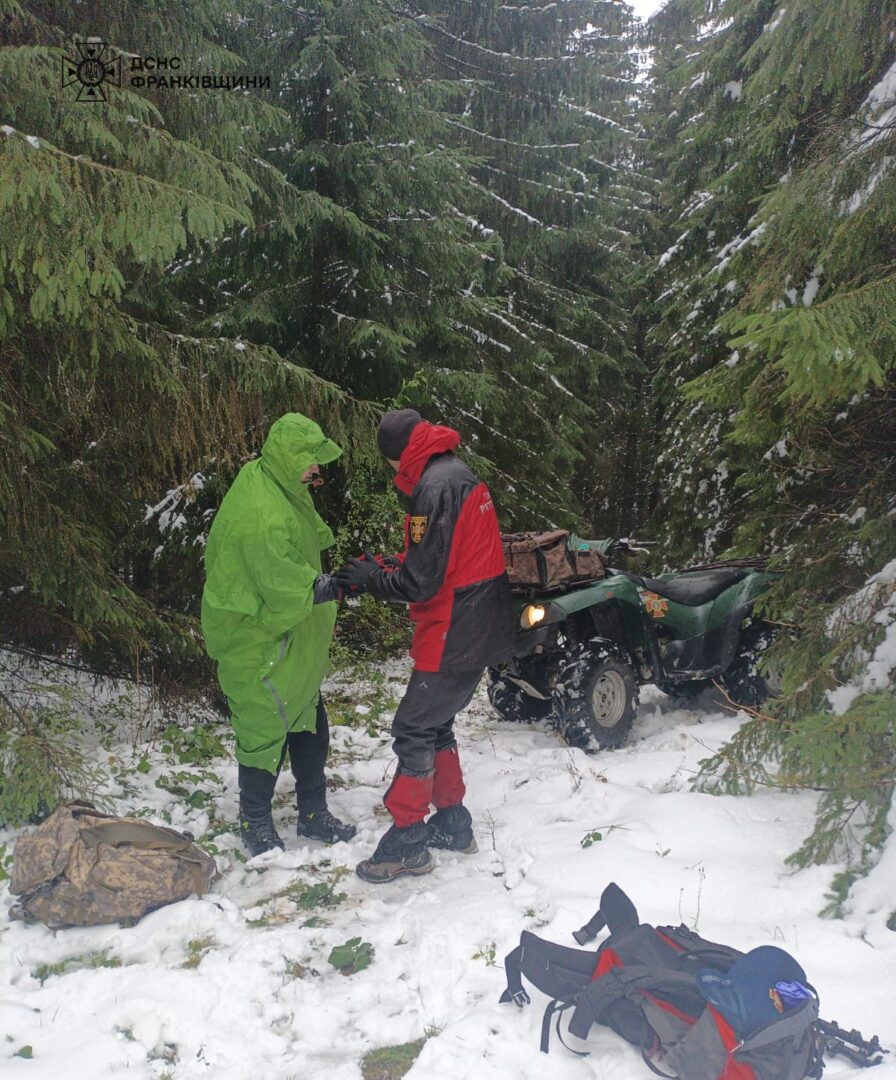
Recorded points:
584,648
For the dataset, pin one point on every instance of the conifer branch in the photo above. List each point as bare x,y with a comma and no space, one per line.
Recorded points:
138,179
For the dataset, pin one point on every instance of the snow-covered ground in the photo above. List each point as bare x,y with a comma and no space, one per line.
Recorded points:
237,985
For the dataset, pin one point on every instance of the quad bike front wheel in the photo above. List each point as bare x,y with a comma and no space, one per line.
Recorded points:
511,702
750,680
596,697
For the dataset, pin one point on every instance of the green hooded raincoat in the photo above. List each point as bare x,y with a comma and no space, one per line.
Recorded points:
260,624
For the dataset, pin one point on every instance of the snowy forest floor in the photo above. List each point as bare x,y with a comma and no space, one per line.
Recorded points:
237,985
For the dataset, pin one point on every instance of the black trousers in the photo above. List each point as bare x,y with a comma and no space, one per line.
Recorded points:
424,720
307,759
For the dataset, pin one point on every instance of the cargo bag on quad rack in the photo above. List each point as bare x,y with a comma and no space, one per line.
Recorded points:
541,560
655,986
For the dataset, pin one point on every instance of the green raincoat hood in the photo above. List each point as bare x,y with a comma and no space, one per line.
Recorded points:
294,443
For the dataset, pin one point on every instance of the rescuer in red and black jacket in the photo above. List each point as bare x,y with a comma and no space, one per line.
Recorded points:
451,574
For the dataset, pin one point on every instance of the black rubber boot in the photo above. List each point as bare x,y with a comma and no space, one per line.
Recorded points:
321,825
400,851
451,828
257,829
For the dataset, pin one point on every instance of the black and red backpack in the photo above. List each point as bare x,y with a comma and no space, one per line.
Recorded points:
642,983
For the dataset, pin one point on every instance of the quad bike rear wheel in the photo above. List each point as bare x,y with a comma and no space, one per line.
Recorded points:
686,693
511,702
596,697
750,680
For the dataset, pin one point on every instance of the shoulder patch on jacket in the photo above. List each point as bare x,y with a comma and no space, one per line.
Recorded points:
418,527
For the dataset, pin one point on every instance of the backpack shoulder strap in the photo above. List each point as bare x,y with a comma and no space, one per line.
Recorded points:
142,834
515,991
556,970
616,912
600,995
559,1009
632,983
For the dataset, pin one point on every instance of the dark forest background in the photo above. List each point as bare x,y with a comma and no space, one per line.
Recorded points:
648,272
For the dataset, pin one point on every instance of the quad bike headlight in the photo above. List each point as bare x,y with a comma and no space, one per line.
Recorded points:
532,615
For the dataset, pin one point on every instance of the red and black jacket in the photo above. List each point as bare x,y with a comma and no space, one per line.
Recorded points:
452,568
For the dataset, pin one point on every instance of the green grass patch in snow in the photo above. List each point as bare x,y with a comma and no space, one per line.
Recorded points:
391,1062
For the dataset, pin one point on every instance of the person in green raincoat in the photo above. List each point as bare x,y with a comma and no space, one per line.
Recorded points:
268,614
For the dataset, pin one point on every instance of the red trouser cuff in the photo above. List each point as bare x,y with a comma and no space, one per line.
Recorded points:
448,788
408,798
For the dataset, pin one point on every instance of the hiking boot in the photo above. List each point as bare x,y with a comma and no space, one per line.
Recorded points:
400,851
258,834
256,821
451,828
378,872
321,825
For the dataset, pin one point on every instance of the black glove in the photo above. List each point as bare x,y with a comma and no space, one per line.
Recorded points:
387,562
355,574
326,589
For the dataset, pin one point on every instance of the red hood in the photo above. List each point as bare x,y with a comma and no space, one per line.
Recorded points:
426,440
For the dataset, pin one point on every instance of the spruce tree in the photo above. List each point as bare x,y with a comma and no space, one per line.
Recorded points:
545,113
112,392
774,328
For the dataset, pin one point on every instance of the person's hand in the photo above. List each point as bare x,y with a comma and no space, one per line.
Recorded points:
355,574
387,562
326,589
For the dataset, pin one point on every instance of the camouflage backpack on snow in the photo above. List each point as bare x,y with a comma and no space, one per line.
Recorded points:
83,868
